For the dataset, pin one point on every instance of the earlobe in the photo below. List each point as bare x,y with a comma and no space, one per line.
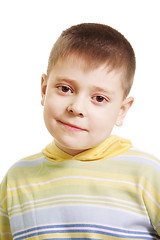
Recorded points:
127,103
43,87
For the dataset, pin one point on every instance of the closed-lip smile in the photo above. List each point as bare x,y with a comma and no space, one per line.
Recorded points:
72,126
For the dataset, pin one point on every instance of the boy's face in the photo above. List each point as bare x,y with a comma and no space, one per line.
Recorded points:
81,107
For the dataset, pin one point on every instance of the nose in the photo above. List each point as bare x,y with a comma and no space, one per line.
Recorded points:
77,108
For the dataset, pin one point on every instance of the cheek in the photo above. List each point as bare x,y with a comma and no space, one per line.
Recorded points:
105,119
49,115
98,123
51,106
54,109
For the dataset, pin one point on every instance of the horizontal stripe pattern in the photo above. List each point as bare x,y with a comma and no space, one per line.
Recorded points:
75,213
117,198
84,228
62,199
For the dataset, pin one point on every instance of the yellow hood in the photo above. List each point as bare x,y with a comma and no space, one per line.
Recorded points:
111,147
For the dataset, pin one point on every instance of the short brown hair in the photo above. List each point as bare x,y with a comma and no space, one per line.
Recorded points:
97,44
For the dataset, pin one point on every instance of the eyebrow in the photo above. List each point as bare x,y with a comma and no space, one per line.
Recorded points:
93,88
99,89
59,79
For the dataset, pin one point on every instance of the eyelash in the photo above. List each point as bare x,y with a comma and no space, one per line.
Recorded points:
100,98
65,89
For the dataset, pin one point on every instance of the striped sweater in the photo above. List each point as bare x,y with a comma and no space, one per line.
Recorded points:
109,192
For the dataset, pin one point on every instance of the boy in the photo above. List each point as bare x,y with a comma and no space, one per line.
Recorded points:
86,184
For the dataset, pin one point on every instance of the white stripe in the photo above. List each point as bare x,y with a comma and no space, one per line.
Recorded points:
87,178
98,228
3,200
75,196
4,215
3,210
77,205
149,195
71,177
84,223
6,233
77,200
140,159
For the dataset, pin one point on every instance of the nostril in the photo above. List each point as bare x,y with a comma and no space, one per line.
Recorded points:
75,111
81,115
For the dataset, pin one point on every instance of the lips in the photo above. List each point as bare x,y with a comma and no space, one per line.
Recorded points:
72,126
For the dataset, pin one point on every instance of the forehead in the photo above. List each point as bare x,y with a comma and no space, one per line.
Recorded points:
87,64
74,70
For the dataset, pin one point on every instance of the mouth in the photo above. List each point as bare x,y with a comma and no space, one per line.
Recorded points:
72,127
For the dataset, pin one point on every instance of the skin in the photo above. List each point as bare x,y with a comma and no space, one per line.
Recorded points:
82,106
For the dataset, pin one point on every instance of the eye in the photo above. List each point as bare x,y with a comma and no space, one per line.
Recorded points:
64,89
100,99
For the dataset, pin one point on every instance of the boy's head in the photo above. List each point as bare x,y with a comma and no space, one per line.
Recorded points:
90,73
97,44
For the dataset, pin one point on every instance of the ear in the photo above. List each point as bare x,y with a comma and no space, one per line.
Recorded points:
126,104
43,87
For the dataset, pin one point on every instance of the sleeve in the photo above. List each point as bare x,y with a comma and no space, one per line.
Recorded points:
5,230
151,194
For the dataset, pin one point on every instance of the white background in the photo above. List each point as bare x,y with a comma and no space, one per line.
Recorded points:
28,30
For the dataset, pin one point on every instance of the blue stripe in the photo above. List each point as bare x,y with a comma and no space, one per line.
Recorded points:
148,236
80,213
86,231
83,225
73,239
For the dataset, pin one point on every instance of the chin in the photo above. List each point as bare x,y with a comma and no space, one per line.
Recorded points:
69,147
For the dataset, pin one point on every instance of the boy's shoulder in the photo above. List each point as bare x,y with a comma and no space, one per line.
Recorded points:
27,164
141,159
140,154
29,161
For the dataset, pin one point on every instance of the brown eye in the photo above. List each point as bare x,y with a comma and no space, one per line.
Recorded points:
64,89
99,98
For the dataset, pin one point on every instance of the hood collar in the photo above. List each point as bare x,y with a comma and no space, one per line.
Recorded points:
111,147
